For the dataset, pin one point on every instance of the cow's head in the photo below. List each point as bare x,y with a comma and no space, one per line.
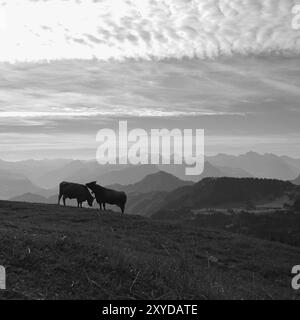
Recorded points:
90,198
91,185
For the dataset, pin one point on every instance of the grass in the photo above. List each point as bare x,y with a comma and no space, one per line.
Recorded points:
281,227
52,252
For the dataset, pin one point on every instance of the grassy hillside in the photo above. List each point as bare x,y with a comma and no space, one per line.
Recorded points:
276,226
53,252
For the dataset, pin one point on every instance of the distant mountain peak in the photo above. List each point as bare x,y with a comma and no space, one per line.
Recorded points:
251,153
161,174
30,197
296,181
158,181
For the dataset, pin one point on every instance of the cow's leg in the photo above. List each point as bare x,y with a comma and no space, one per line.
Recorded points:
100,206
59,198
122,207
64,200
104,204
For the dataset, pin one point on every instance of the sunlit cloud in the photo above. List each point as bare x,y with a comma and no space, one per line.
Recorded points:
144,29
135,113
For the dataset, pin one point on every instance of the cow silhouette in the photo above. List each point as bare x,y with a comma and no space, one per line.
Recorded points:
70,190
104,195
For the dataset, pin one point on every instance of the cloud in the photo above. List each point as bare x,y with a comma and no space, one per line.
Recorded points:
77,89
144,29
242,94
44,105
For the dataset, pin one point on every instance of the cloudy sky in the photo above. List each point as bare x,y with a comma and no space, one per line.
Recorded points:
70,68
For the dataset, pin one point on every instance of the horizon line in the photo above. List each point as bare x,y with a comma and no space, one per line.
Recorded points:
94,159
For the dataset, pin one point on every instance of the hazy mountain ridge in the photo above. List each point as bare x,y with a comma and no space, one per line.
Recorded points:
144,197
14,184
292,162
261,166
87,171
60,174
62,168
160,181
33,169
39,175
219,192
30,198
296,181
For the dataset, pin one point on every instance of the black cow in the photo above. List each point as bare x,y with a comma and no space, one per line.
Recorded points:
104,195
80,192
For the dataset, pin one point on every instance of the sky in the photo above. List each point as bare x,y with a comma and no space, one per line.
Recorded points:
70,68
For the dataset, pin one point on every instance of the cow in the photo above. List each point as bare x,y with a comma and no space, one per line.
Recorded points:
104,195
70,190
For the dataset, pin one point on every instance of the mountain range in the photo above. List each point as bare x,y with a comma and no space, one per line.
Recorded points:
163,195
220,192
33,169
12,184
143,196
33,198
42,177
260,166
